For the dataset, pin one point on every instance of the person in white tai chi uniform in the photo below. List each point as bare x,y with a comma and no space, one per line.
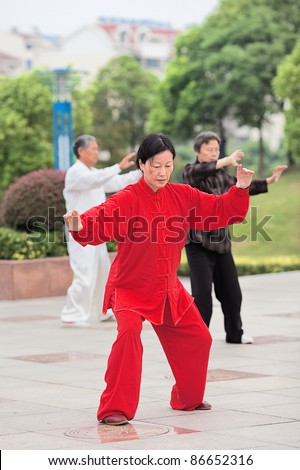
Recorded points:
85,187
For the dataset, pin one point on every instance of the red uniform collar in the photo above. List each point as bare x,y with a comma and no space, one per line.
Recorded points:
149,190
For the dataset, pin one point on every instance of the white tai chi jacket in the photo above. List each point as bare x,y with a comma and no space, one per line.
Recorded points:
84,188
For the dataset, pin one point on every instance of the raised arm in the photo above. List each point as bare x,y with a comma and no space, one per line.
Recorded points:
76,180
101,223
121,181
231,160
210,211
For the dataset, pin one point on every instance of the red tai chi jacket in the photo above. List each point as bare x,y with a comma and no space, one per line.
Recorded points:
150,229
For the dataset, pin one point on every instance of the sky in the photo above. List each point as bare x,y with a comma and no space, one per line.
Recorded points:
62,17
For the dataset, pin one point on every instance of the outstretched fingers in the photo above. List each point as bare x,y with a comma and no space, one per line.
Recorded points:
244,176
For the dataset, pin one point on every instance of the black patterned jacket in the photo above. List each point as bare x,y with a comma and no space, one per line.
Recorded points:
208,179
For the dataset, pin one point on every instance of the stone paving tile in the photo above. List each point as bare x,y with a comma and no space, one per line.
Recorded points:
272,339
27,318
56,357
51,379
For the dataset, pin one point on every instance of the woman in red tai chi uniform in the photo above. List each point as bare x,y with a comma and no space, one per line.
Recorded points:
149,220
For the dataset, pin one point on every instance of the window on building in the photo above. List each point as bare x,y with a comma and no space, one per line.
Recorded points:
142,37
123,36
153,63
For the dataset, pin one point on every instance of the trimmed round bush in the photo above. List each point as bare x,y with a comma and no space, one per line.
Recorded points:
34,202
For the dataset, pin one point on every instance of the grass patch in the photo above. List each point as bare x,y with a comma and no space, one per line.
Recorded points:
269,239
247,265
272,226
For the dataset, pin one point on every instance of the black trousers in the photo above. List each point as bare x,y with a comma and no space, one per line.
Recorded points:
208,268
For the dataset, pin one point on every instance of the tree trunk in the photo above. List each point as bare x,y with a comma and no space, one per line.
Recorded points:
222,135
261,155
290,159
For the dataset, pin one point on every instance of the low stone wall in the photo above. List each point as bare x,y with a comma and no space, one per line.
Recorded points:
35,278
27,279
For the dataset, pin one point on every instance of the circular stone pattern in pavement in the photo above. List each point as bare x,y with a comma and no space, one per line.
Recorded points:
105,433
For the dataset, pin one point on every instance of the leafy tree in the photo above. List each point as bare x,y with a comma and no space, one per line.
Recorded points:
287,85
121,100
25,127
287,17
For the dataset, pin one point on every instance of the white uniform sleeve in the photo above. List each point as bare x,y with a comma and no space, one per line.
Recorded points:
121,181
77,181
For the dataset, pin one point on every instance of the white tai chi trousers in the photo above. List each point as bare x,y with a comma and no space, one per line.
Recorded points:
90,266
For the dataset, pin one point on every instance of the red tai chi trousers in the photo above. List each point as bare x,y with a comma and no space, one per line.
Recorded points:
186,345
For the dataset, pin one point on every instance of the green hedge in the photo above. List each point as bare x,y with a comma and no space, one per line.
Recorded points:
20,245
268,264
248,265
17,245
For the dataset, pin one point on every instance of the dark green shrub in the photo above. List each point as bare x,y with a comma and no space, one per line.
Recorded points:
35,202
268,264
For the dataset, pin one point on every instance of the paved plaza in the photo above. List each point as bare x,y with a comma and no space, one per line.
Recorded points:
51,378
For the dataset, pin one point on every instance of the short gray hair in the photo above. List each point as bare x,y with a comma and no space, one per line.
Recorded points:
83,141
203,138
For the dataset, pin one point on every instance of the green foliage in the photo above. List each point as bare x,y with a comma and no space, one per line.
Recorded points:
221,69
269,239
287,85
82,113
25,127
122,96
224,69
54,241
251,159
272,225
248,265
287,16
111,245
19,245
35,202
253,255
184,154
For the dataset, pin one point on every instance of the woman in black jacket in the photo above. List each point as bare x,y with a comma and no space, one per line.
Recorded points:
209,252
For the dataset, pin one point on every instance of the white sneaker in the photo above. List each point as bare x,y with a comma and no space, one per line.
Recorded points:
246,339
74,324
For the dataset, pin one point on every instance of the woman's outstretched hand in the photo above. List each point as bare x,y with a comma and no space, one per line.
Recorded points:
276,174
73,220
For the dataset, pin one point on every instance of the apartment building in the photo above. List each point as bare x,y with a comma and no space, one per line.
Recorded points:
90,47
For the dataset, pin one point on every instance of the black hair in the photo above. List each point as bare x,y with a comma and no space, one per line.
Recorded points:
152,145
